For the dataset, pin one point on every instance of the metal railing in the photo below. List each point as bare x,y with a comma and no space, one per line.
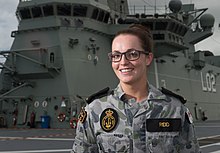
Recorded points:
25,0
134,9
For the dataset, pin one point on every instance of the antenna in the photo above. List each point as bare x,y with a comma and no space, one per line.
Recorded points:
155,6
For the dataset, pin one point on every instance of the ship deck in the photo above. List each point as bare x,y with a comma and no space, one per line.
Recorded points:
208,133
60,140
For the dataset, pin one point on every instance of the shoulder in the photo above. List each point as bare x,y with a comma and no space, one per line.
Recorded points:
188,116
172,94
102,93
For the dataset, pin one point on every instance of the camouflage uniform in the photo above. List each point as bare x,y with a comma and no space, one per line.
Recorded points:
159,124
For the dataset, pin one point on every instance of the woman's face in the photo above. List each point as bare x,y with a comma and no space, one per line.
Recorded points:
130,72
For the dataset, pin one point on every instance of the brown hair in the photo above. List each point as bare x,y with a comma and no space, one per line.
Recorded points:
142,32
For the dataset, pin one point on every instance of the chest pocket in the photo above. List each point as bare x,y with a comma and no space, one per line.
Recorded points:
110,142
163,142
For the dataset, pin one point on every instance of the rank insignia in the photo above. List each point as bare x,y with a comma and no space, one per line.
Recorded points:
108,119
82,115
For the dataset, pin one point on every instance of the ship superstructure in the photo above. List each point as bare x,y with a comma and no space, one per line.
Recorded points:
59,57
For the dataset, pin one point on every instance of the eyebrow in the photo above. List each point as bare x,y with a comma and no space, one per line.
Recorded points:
126,50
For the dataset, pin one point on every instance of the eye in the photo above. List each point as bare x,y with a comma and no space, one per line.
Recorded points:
133,54
116,56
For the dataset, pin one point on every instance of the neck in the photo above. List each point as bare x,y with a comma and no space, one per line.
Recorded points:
137,91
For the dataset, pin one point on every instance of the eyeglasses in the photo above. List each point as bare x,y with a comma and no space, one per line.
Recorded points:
130,55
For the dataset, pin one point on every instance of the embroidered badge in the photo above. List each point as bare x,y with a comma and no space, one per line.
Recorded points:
82,115
108,119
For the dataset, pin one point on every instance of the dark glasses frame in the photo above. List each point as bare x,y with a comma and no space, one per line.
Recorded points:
130,55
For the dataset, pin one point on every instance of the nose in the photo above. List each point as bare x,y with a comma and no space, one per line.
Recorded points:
124,59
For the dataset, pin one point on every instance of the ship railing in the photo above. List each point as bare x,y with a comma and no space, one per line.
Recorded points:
25,84
3,58
136,9
25,0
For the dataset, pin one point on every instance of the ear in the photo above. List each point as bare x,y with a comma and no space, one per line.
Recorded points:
149,59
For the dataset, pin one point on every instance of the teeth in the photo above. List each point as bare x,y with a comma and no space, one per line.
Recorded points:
126,70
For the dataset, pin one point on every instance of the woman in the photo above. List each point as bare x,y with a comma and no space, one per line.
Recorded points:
135,117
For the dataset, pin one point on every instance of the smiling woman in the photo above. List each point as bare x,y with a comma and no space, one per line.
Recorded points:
135,116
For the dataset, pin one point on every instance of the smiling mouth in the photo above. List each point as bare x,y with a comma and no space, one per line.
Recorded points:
125,70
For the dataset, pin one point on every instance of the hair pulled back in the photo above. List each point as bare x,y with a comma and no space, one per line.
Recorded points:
142,32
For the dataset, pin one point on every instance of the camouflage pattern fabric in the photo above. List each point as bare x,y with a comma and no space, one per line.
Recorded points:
159,124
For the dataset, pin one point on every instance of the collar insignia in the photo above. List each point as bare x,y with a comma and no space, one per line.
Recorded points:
108,119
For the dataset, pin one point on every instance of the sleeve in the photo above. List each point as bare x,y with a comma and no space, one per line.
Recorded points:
85,140
188,134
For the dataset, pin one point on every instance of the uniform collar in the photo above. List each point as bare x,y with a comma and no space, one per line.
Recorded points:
118,92
154,93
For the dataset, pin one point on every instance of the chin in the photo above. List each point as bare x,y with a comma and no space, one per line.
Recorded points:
126,81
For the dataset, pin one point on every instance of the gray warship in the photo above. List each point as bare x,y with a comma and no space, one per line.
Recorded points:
59,57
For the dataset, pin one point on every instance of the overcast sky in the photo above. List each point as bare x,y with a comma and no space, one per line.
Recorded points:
8,21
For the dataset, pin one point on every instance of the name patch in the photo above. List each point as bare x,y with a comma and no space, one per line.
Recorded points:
163,125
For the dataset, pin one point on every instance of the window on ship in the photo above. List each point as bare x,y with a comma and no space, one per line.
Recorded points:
64,9
48,10
36,12
79,11
25,13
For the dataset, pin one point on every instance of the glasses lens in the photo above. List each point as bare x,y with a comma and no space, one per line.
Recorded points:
115,56
132,55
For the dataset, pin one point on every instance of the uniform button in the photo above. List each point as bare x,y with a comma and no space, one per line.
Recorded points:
188,146
154,142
